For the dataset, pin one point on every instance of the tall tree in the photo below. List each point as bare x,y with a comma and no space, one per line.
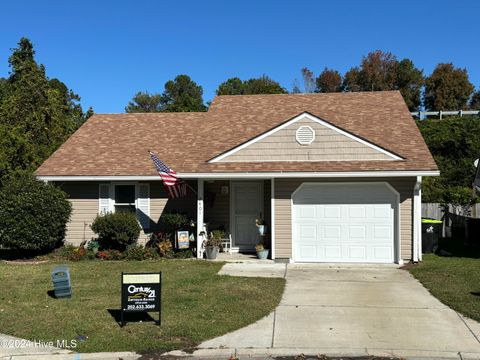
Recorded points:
329,81
261,85
382,71
475,101
308,80
410,81
36,114
233,86
351,80
378,71
447,88
144,102
183,94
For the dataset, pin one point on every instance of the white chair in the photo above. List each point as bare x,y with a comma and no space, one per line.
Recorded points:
227,244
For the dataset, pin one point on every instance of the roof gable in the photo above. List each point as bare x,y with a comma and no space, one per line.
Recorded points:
323,142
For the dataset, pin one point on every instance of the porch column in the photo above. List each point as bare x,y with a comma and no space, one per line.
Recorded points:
272,217
200,208
417,220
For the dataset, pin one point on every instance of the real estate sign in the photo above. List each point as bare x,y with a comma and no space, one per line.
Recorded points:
141,292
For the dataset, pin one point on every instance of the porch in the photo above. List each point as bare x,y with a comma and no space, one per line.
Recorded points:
233,206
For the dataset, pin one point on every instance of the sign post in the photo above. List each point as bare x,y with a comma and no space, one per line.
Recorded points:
141,292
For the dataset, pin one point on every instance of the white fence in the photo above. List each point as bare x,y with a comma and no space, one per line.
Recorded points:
423,114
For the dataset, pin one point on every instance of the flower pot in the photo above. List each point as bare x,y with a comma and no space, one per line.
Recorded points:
211,252
262,229
263,254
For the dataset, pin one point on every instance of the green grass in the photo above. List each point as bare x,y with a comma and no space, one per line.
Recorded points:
198,304
455,281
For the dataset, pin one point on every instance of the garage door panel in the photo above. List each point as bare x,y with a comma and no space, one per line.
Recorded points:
333,252
307,212
346,224
331,212
357,253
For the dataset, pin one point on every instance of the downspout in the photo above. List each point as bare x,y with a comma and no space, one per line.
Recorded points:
417,220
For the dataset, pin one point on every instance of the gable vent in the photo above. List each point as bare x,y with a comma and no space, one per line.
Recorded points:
305,135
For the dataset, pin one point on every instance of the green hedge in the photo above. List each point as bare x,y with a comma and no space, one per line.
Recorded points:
33,215
116,230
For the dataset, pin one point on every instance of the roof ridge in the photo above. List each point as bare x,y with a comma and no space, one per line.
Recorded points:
339,93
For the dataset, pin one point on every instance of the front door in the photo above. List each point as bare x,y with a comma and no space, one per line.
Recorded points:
246,205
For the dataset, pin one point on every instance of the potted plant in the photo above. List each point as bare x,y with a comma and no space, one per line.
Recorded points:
212,245
260,222
262,252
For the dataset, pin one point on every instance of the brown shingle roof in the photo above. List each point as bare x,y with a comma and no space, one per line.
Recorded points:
117,144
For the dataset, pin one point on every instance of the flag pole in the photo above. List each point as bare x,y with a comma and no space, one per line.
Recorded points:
186,183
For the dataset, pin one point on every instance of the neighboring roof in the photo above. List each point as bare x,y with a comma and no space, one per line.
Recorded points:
118,144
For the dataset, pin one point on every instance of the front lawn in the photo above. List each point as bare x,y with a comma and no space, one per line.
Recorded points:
455,281
197,304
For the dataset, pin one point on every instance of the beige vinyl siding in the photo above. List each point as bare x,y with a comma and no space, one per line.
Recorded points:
84,199
328,145
283,217
85,205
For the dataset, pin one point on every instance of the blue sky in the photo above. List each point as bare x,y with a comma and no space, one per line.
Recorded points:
108,50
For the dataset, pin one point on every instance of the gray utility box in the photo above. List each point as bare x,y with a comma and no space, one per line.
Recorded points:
61,282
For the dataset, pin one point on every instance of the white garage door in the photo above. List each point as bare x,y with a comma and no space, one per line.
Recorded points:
344,223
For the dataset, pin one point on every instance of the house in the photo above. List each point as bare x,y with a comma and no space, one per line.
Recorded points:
337,176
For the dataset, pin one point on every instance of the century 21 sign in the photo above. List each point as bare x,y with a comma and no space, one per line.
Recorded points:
141,292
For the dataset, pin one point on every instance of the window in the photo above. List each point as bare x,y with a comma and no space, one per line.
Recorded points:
125,198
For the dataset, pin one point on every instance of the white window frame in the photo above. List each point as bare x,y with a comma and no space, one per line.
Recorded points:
112,201
112,191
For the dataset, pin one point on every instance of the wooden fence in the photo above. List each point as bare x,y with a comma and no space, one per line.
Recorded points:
454,216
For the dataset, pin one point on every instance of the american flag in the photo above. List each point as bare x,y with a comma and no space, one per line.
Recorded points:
176,187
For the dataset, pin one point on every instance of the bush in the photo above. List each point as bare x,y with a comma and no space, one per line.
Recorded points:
110,255
33,215
116,230
174,221
134,252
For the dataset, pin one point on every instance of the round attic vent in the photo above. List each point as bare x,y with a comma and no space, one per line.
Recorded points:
305,135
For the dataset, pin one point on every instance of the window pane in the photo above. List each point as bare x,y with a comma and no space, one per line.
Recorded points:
125,208
125,194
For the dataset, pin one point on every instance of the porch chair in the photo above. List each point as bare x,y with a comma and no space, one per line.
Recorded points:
227,244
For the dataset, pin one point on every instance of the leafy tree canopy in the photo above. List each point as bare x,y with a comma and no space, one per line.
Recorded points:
447,88
475,101
328,81
183,94
37,114
455,144
261,85
145,102
382,71
180,94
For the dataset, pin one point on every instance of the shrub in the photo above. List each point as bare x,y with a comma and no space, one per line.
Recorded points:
134,252
110,255
93,245
174,221
33,215
165,248
116,230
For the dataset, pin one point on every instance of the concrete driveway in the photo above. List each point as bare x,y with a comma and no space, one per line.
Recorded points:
350,310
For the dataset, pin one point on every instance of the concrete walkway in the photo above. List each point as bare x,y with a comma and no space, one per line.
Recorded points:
350,310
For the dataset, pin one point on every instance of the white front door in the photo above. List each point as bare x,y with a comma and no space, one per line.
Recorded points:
246,204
